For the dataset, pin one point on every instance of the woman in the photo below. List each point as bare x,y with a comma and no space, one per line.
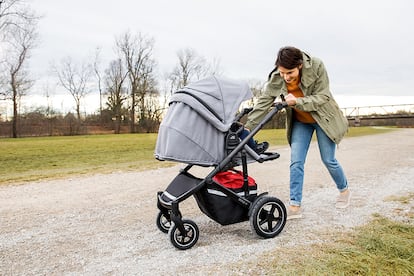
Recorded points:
304,82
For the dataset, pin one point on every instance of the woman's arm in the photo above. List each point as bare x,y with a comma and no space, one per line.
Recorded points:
317,93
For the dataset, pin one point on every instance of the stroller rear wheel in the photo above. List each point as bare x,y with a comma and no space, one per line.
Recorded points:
187,239
163,222
268,216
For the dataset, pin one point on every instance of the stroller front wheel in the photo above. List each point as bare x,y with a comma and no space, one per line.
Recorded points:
268,216
187,239
163,222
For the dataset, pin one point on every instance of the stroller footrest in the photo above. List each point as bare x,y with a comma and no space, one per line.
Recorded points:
267,156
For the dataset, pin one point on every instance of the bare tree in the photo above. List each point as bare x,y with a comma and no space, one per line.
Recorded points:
137,54
154,108
167,88
147,92
115,77
20,42
96,69
49,111
18,37
74,78
4,83
256,86
190,67
15,14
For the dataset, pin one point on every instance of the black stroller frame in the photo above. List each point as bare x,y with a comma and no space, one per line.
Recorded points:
267,214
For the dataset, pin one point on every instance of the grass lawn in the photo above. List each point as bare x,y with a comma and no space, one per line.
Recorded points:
381,247
30,159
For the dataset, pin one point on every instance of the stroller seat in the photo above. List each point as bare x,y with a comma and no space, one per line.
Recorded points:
233,140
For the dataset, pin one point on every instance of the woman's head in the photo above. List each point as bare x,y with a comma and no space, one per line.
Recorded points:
289,62
289,57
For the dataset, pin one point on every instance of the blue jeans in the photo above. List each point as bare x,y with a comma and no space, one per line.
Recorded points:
301,138
251,143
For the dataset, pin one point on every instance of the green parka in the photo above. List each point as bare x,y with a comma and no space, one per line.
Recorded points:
317,100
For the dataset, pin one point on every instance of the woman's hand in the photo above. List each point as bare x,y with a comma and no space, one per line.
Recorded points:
290,99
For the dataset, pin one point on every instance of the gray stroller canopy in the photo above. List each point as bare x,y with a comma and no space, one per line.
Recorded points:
199,115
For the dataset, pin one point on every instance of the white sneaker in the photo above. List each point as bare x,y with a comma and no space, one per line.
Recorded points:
343,200
294,214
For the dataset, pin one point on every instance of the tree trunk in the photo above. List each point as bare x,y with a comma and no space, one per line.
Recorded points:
15,114
117,125
132,119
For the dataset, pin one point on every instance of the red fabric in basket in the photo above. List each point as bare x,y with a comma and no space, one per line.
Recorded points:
232,179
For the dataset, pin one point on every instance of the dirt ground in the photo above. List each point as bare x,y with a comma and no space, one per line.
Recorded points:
105,224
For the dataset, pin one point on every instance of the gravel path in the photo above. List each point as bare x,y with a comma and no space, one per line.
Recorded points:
105,224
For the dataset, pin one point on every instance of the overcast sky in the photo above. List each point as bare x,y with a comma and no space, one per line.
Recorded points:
367,46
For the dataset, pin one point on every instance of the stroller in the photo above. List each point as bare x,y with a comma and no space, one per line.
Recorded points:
201,129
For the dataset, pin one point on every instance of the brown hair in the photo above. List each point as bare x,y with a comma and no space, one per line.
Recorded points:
289,57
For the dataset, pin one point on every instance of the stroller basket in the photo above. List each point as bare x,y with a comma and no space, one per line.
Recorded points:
222,208
211,199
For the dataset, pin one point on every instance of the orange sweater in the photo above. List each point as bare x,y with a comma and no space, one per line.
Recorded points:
301,116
